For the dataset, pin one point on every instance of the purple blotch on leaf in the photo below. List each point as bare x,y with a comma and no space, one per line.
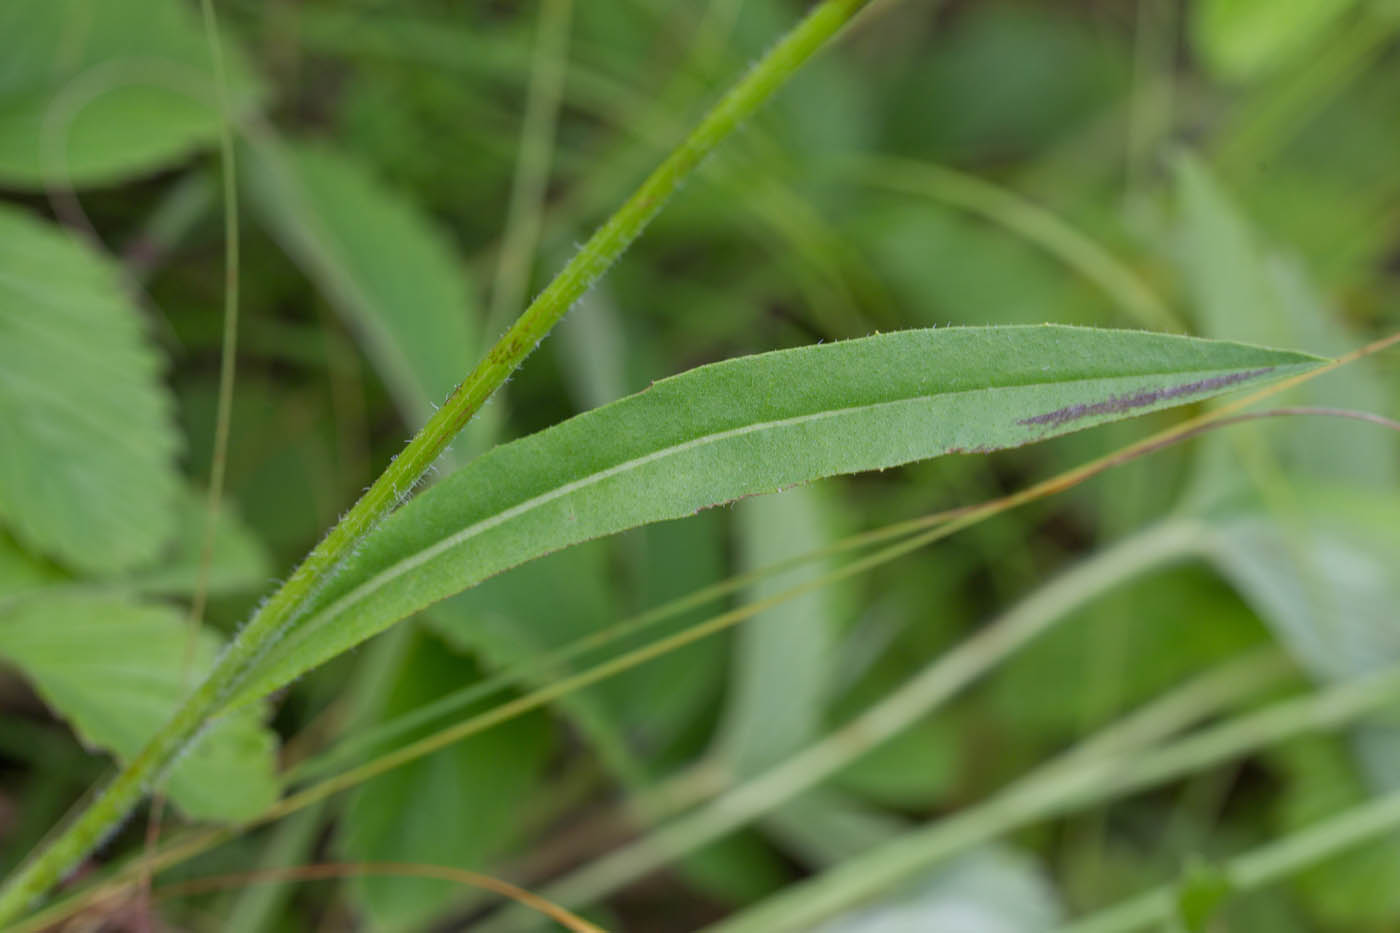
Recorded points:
1119,403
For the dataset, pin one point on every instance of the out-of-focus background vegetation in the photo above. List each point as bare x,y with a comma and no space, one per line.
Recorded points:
1220,167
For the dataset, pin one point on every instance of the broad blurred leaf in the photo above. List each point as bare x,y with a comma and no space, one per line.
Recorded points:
21,571
379,259
751,425
1322,570
784,656
116,670
456,807
117,89
1245,39
237,560
87,440
992,890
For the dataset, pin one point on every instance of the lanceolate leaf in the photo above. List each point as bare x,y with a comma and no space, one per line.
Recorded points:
747,426
115,670
87,438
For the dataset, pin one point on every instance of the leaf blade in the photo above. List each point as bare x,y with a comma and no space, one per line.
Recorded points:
748,426
115,670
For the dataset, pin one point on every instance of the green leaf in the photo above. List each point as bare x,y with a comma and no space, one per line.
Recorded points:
1245,39
87,440
92,93
116,671
784,657
381,262
747,426
1321,570
456,807
237,560
21,572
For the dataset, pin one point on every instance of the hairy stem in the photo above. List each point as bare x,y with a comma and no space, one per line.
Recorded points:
130,785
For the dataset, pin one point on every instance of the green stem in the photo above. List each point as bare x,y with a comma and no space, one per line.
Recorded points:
130,785
1264,866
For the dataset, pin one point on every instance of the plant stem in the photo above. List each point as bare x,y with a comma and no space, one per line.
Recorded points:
1263,866
131,783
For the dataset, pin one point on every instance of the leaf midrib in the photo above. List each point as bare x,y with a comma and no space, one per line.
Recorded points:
428,553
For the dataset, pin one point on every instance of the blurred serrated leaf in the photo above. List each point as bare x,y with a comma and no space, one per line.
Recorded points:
116,89
87,437
115,670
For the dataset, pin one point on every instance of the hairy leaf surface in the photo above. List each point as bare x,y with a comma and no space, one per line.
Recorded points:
754,425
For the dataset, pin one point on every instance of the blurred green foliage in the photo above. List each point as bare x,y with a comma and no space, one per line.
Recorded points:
1236,158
